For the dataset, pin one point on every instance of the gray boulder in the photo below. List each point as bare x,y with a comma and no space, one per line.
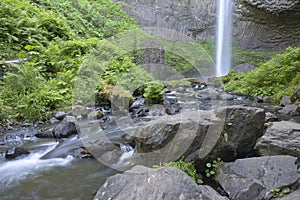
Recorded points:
285,100
293,196
66,128
281,138
254,178
60,115
290,110
271,117
79,111
164,183
201,135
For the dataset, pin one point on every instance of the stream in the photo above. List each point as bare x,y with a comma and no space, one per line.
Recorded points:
38,176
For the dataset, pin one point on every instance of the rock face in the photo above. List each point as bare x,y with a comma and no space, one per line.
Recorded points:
256,24
274,6
146,183
254,178
204,135
280,138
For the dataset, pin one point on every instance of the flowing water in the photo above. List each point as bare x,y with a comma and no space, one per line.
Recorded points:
34,176
51,172
223,35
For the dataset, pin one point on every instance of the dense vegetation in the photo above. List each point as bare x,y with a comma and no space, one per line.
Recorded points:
57,40
53,37
277,77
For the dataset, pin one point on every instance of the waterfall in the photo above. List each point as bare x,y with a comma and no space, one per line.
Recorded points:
223,36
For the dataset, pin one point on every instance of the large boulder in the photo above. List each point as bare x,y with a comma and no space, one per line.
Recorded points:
66,128
281,138
255,178
164,183
290,110
202,135
256,24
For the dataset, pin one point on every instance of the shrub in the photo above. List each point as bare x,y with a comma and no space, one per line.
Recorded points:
154,92
28,96
277,77
187,167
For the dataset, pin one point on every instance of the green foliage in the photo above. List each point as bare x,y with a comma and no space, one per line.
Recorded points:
135,80
28,96
213,168
54,37
154,92
89,18
275,78
187,167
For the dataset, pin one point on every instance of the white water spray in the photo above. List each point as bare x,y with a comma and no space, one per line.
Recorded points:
224,29
11,172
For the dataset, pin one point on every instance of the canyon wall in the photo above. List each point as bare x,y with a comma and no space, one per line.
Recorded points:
264,25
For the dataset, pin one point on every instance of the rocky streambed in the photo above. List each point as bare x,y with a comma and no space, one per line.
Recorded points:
258,143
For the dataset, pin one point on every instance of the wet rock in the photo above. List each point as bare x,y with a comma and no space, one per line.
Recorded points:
141,112
172,110
66,128
199,86
200,135
290,110
296,96
60,115
258,99
169,100
95,115
285,100
79,112
266,99
16,152
226,97
53,120
71,147
45,133
145,183
281,138
27,124
137,103
271,117
244,67
254,178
